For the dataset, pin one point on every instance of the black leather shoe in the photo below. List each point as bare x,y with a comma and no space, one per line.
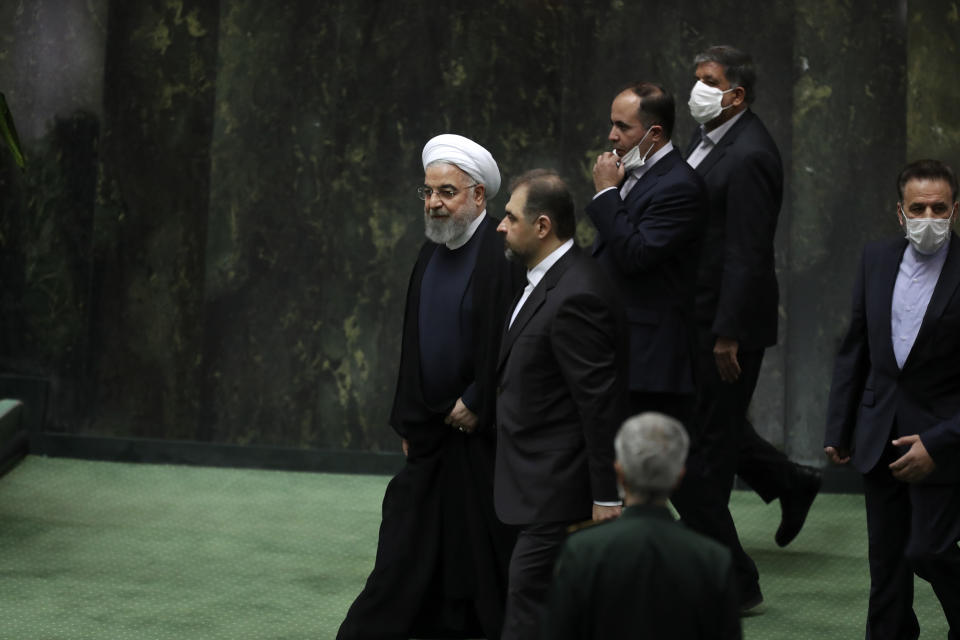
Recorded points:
795,504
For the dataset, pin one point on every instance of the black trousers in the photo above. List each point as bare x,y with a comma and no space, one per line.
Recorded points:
765,468
531,573
912,528
716,433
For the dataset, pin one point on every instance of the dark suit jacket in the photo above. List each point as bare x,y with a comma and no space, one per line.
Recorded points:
871,400
642,576
650,244
561,397
737,294
495,283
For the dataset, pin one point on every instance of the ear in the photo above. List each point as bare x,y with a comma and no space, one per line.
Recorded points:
543,225
739,96
479,192
619,471
900,214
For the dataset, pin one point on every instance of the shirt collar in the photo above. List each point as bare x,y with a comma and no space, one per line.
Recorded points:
652,160
464,237
535,275
717,134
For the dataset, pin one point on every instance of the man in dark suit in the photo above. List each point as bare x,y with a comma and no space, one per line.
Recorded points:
562,373
649,211
737,298
894,406
442,555
644,574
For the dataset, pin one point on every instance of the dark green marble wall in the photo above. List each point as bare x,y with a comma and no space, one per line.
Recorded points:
214,236
51,72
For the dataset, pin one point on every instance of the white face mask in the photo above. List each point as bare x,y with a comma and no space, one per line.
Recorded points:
927,235
632,159
705,102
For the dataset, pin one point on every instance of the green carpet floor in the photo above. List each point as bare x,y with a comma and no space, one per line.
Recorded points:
114,551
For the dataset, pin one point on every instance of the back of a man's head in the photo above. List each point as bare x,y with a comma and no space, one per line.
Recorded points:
651,450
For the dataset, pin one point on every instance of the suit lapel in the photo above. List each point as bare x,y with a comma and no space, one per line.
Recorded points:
720,149
649,179
536,300
942,293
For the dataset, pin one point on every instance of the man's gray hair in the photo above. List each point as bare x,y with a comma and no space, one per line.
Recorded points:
652,450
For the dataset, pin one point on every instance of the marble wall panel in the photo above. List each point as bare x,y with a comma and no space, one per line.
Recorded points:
933,95
51,73
214,237
151,220
849,144
320,118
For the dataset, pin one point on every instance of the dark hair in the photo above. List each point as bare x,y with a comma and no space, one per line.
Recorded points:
656,106
547,194
927,170
737,67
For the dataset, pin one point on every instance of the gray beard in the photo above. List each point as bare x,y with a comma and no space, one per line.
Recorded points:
443,231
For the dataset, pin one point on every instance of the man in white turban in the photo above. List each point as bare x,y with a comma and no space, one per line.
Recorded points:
442,557
447,157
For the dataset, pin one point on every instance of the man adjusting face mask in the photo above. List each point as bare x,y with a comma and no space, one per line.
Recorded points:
706,102
632,159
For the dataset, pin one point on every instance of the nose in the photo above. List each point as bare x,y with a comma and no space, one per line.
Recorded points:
434,201
613,136
502,227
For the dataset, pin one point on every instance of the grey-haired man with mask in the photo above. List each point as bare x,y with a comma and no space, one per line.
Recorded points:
644,574
894,410
737,300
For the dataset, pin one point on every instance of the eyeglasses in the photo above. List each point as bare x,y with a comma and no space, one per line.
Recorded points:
444,193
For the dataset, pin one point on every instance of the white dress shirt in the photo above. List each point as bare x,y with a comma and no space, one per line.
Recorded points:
637,173
710,139
916,280
535,275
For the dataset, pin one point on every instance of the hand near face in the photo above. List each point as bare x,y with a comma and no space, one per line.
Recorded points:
916,464
607,172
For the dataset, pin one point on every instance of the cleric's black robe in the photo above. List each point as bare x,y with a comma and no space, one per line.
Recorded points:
442,557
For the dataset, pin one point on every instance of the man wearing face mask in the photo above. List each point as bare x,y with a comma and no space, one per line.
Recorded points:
737,299
894,409
649,211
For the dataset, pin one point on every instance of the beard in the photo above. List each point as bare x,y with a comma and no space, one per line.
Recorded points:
512,255
444,229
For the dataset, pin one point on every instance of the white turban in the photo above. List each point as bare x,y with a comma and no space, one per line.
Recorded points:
466,154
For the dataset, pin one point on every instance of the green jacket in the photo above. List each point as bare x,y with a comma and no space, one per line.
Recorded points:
643,575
